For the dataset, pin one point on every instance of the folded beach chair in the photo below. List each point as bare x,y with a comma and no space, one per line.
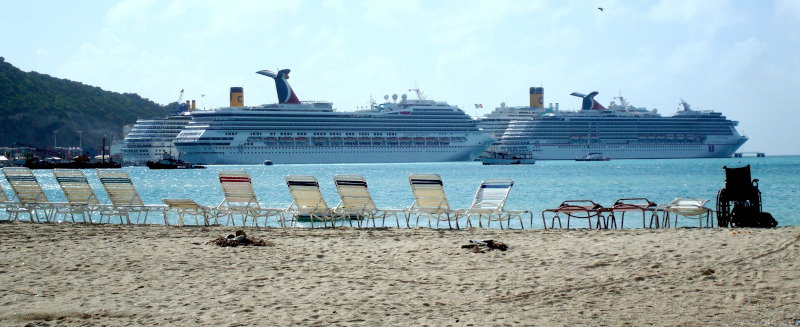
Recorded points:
240,199
357,202
188,206
689,208
430,200
308,202
489,201
80,195
29,195
125,200
580,209
623,206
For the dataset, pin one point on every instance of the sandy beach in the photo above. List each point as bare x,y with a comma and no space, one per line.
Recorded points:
114,275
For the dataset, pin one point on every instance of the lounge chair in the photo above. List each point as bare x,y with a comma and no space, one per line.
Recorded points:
6,204
240,199
581,209
688,208
80,195
124,198
357,201
29,194
430,201
623,206
308,202
188,206
489,202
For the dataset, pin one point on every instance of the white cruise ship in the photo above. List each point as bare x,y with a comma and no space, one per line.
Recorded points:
313,132
621,132
149,139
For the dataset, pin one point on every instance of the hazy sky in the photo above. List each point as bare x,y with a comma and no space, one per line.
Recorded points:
737,57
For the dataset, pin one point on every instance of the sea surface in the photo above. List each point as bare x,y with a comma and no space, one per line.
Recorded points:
537,187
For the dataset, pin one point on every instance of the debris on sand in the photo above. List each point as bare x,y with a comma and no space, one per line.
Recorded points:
240,238
484,245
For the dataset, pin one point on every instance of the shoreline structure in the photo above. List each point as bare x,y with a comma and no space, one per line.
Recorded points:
70,274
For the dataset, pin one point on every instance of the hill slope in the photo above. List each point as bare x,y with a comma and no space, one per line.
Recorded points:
33,105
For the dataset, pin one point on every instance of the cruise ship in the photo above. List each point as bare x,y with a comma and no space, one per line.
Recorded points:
149,139
292,131
621,131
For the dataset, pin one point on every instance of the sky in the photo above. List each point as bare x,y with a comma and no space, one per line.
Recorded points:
736,57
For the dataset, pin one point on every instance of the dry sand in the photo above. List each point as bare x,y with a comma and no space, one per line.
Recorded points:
112,275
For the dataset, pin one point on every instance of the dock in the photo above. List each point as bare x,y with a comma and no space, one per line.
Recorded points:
749,154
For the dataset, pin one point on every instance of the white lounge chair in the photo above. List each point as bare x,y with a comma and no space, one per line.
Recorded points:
489,202
357,201
240,199
687,207
80,195
29,194
430,200
124,198
308,202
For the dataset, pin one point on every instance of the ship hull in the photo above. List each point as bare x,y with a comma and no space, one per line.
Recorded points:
638,151
328,155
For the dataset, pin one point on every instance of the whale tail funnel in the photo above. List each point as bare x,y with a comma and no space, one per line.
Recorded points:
285,92
589,103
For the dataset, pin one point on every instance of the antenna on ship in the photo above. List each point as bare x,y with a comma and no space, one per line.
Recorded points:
420,95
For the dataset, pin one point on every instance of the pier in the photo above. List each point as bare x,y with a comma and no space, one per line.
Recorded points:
749,154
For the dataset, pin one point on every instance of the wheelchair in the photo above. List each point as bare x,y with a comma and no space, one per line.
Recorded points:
739,203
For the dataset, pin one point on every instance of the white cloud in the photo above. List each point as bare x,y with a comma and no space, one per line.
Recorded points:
129,11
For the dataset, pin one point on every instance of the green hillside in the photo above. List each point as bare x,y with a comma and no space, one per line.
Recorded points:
33,105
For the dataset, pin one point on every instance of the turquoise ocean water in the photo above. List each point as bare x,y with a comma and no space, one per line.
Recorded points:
537,187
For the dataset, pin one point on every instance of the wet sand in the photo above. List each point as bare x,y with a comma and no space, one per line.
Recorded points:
77,275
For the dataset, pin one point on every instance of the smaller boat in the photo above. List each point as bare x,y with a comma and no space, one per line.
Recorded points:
594,156
502,158
267,162
168,162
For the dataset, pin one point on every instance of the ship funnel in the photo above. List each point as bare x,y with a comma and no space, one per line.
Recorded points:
537,97
194,105
589,103
285,92
237,97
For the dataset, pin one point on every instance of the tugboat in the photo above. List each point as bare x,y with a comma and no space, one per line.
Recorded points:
594,156
502,158
78,162
168,162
